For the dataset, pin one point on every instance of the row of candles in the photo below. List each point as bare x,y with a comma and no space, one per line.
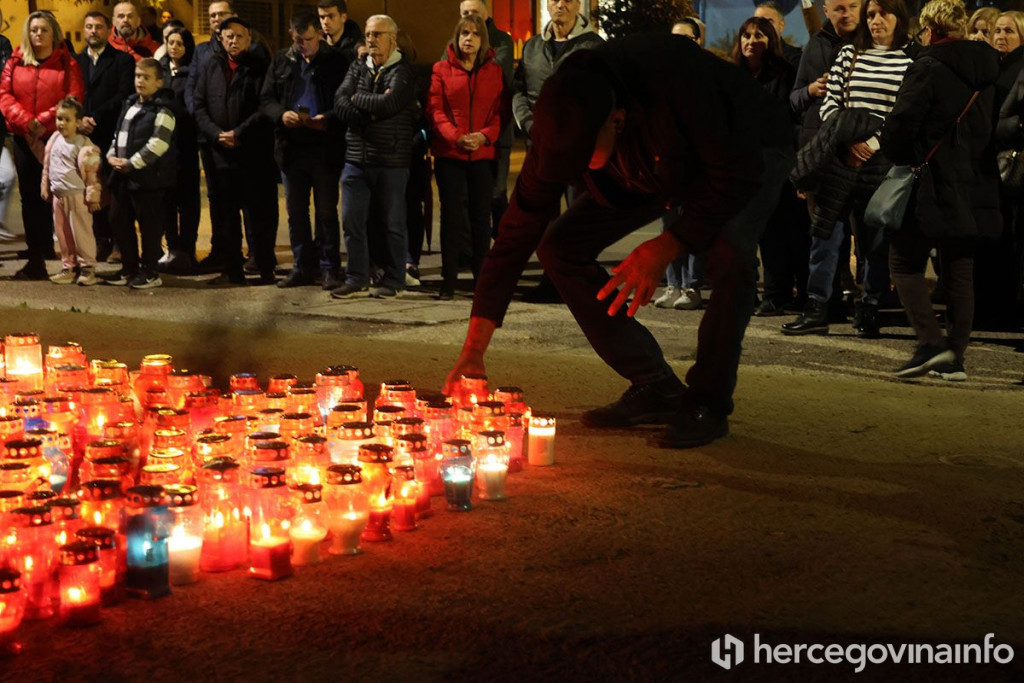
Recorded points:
115,482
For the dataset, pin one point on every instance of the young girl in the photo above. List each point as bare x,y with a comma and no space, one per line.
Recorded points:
71,184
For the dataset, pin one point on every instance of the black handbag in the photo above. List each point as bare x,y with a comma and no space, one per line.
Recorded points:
1011,170
888,205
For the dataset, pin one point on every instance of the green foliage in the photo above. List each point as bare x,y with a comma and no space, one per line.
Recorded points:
619,18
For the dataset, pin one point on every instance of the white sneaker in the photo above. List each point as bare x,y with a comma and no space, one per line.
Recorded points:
87,278
667,297
66,276
689,300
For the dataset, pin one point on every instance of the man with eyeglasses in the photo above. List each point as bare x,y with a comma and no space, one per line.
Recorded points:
377,100
298,96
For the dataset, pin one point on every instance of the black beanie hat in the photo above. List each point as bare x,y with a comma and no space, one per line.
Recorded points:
573,105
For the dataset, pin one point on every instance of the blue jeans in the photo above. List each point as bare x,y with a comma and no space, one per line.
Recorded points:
686,272
384,189
874,249
312,173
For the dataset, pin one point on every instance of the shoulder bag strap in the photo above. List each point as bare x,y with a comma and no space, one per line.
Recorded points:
956,123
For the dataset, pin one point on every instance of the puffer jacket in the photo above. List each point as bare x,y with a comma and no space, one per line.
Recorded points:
464,102
820,168
380,108
162,173
958,194
33,92
539,62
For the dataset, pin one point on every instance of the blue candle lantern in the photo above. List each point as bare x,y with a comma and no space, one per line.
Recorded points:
147,526
56,450
458,469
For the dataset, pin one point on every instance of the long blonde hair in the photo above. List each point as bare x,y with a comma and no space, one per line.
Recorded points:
28,55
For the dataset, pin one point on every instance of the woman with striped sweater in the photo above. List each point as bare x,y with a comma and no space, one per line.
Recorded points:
866,75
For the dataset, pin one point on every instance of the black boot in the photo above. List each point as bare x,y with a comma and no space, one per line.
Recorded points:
867,324
654,403
814,320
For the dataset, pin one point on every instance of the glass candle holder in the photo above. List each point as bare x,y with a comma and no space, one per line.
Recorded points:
404,396
184,546
281,382
67,518
309,460
161,474
225,524
269,544
79,580
99,450
180,383
406,497
472,389
304,400
173,456
387,414
344,413
492,467
277,400
23,358
541,440
12,427
235,426
348,508
213,447
36,552
112,467
153,374
457,473
243,381
269,419
17,476
62,377
100,406
102,502
270,454
30,452
294,425
173,437
10,500
29,410
128,434
330,389
512,397
111,568
248,401
64,353
410,447
354,388
309,526
408,425
489,416
147,526
202,408
375,460
464,423
347,441
384,392
514,438
12,610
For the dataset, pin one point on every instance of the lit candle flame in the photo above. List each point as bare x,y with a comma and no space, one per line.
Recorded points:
265,530
76,594
218,519
29,563
307,526
97,517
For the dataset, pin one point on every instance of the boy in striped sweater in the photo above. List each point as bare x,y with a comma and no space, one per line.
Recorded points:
143,164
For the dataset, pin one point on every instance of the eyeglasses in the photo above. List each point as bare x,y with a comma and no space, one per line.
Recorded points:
917,36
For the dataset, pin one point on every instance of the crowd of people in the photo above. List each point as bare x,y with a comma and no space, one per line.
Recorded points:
114,137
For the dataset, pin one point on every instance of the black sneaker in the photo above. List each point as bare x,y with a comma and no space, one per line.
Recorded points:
145,281
331,280
118,279
232,278
385,293
654,403
768,308
349,290
866,321
250,267
693,426
296,278
924,359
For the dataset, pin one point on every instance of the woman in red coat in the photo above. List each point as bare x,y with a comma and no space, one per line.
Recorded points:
38,75
468,106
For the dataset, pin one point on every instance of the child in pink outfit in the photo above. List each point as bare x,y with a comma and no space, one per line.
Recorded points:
71,183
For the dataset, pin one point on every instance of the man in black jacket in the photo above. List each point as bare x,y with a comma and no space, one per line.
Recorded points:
641,124
298,96
342,34
377,100
109,80
227,102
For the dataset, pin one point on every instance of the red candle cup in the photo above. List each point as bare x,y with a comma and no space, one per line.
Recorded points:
36,551
111,566
269,545
12,610
403,514
80,591
225,526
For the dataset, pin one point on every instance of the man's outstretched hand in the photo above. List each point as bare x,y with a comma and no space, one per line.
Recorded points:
468,363
640,273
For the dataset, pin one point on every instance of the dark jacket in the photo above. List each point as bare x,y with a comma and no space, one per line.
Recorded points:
539,62
163,173
958,193
820,168
185,129
201,57
695,130
1009,69
347,46
381,112
107,85
819,54
792,54
231,102
278,96
5,53
1009,134
776,77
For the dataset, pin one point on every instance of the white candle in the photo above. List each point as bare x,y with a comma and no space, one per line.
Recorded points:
184,550
542,443
346,528
306,539
491,478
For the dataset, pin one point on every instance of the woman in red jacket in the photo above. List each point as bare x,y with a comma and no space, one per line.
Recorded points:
468,106
38,75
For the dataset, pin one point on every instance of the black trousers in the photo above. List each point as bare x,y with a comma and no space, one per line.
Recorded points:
253,196
785,249
464,188
36,214
181,205
128,206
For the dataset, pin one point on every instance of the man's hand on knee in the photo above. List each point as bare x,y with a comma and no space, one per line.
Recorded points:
640,273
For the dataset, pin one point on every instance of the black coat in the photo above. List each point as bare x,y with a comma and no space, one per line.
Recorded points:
695,130
107,86
279,92
381,114
958,194
185,129
1009,69
231,102
819,54
348,45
